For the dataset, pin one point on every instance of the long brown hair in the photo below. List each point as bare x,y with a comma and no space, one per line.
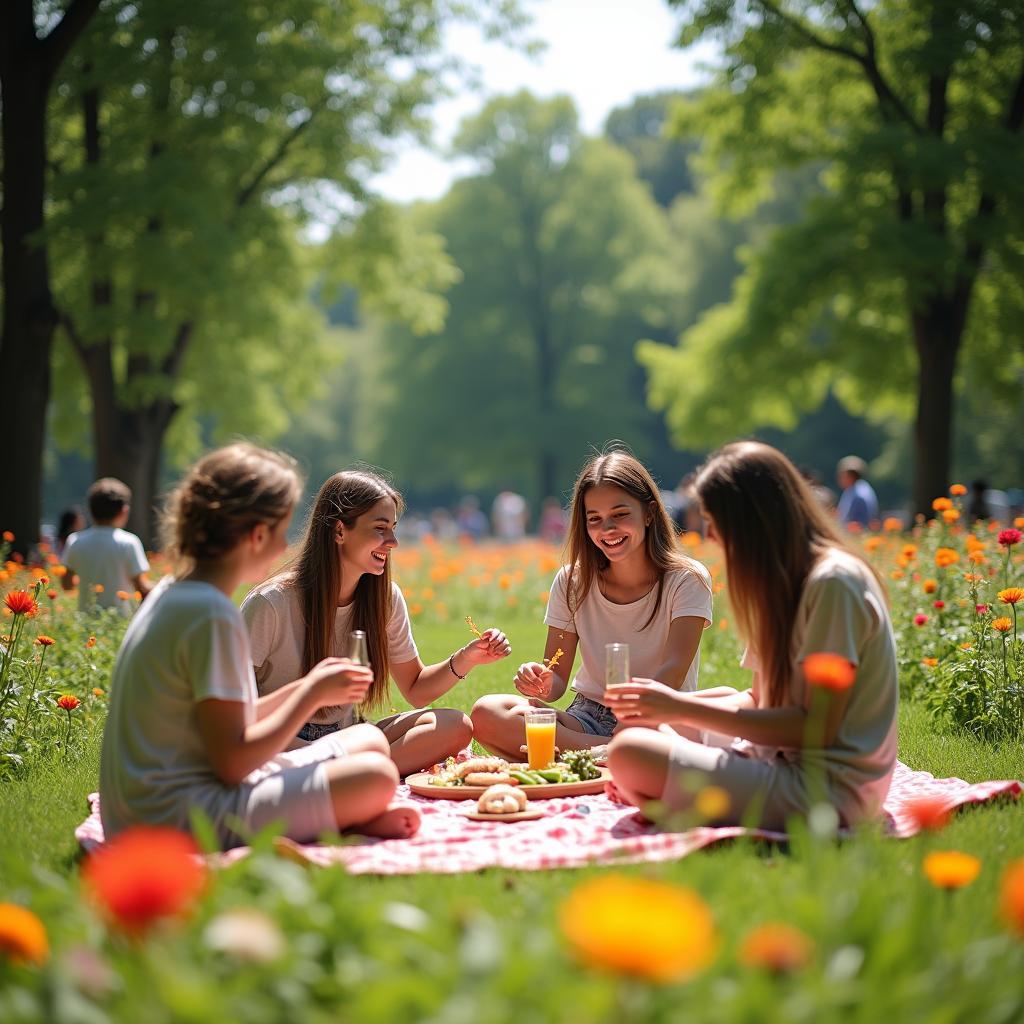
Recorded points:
773,531
222,497
316,572
620,468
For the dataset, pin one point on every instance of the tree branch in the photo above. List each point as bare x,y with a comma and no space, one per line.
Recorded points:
74,337
57,44
172,363
277,156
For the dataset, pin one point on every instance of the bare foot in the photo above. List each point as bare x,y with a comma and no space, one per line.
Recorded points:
399,821
614,794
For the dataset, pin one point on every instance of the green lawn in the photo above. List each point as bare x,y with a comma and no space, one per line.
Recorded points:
486,947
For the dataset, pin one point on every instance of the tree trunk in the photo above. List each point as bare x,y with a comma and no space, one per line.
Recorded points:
29,316
938,330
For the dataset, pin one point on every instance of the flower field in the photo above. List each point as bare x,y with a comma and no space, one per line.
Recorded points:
928,929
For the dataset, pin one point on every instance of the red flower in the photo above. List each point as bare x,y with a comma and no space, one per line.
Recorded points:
920,619
829,671
928,812
68,702
981,609
21,602
1007,538
939,604
776,947
145,874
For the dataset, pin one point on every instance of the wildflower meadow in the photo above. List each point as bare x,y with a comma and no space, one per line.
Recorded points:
861,927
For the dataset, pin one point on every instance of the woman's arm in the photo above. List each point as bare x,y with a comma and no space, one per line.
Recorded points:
535,679
234,749
680,649
421,685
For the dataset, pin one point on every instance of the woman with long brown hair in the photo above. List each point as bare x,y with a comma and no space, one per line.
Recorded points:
797,591
626,581
338,582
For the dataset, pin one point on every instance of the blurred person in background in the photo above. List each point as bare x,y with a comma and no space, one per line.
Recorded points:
858,503
552,521
470,519
508,515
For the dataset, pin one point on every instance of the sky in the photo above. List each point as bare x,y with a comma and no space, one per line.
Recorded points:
602,53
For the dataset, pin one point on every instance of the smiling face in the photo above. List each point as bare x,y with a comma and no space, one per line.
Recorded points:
365,545
616,522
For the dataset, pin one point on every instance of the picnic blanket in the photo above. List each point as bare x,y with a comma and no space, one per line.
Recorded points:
574,832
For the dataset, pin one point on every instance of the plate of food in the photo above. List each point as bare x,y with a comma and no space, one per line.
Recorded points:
574,773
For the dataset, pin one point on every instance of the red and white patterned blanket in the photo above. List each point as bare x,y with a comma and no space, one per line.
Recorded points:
573,832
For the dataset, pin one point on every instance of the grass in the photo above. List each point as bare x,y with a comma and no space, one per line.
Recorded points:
487,947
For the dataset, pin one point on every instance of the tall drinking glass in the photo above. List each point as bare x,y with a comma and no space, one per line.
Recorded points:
357,649
616,665
540,737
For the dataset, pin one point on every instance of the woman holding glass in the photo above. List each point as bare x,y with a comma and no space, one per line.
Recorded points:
340,581
627,581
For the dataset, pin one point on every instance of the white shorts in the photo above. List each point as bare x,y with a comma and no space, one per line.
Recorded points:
292,789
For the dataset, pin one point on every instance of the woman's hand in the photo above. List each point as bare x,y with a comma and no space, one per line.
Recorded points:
535,680
644,702
340,681
492,646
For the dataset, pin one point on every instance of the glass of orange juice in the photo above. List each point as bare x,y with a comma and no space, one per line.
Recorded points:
540,737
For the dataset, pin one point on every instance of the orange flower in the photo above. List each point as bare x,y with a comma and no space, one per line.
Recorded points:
68,702
22,935
951,869
930,662
52,595
145,874
91,642
637,927
60,571
928,812
1012,595
1011,895
776,947
872,543
45,641
1019,522
1002,624
892,524
941,504
8,536
957,490
123,595
21,602
945,557
829,671
929,586
97,588
950,515
97,692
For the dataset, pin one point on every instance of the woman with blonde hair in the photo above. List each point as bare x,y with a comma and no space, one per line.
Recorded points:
797,591
626,581
338,582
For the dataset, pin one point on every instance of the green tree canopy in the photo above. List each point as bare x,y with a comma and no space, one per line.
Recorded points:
911,248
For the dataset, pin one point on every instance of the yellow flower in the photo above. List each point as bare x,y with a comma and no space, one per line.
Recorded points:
712,803
951,869
641,928
1002,624
22,935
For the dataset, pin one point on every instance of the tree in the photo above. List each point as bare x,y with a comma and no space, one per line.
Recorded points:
565,261
196,142
913,115
29,63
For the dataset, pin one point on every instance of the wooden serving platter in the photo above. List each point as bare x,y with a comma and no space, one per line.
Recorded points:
421,785
528,815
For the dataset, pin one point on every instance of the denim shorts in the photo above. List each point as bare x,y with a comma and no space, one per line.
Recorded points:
595,719
315,730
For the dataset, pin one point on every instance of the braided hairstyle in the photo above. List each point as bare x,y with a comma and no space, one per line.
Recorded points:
222,497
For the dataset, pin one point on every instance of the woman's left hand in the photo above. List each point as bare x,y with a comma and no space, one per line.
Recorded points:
492,646
644,702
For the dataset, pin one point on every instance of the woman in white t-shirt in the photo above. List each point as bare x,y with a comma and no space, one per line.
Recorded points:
186,731
627,581
796,591
340,581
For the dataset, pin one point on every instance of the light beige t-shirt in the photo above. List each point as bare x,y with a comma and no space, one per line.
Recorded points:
599,621
107,556
187,643
273,615
843,611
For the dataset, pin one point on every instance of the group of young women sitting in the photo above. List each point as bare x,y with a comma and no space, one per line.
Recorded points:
258,716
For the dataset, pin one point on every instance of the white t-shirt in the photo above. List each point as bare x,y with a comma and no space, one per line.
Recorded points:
843,611
600,621
186,644
273,616
109,556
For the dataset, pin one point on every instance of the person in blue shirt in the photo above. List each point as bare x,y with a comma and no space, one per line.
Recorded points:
858,503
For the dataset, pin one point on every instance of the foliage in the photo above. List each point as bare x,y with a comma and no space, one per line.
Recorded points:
906,115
